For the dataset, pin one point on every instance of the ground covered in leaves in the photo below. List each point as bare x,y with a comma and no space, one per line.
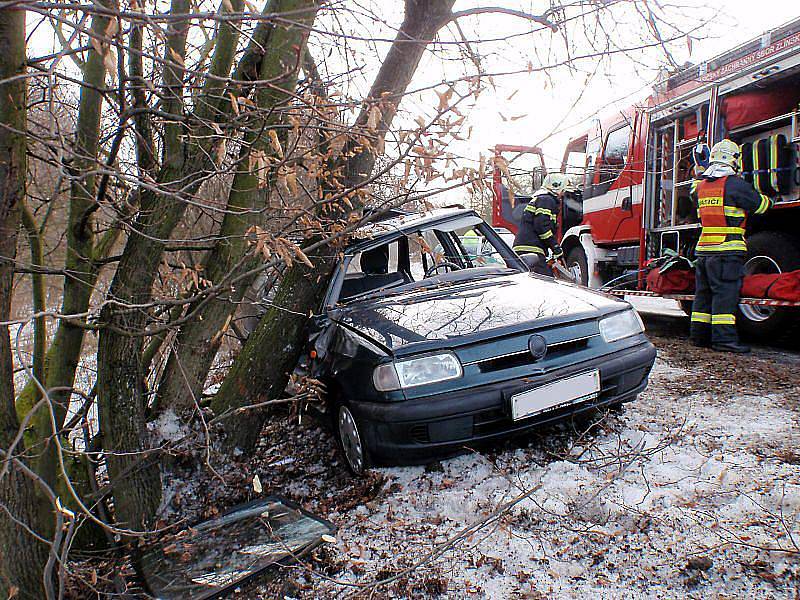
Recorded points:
692,491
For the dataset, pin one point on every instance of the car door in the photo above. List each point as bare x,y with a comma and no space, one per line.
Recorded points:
607,201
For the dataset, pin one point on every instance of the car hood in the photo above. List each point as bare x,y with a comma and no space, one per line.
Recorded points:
482,308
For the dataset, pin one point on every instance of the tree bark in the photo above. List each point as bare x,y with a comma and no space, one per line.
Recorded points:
264,364
65,350
22,557
120,381
199,340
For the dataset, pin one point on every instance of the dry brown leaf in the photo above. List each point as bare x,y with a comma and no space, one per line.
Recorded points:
444,99
220,152
301,255
110,62
234,103
112,28
176,57
97,45
374,117
275,142
291,182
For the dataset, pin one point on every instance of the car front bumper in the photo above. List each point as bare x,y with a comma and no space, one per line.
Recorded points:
417,431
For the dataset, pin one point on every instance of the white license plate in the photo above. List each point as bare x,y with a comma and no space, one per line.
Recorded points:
555,395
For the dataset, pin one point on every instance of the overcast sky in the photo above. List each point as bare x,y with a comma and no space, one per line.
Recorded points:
548,103
527,108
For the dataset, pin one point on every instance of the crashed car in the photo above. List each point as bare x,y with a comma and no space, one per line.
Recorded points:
434,336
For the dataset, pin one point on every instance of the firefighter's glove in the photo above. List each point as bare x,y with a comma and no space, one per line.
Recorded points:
558,253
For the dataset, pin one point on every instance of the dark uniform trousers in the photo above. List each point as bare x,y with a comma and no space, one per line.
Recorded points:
717,285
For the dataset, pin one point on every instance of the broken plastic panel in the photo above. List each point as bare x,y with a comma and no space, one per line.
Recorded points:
212,558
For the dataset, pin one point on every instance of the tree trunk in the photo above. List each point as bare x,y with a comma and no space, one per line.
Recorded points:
199,340
262,369
22,558
120,380
65,350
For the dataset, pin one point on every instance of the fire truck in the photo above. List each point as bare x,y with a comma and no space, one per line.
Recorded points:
637,167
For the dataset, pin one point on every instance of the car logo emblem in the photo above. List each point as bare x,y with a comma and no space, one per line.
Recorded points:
537,346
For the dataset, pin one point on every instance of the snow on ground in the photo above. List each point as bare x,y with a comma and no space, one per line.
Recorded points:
693,491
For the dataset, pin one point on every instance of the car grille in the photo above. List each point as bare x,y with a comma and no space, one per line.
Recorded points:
419,434
519,359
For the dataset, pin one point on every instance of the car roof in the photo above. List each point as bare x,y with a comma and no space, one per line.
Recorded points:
390,227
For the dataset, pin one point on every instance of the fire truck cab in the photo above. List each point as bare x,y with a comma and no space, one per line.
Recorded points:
637,168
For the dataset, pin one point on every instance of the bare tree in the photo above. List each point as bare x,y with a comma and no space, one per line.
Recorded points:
23,553
212,147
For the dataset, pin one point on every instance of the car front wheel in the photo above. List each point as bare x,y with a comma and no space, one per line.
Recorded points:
350,441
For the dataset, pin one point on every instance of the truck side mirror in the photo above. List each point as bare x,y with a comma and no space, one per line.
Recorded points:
537,177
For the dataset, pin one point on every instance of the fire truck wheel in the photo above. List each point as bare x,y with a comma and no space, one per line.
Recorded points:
769,252
577,265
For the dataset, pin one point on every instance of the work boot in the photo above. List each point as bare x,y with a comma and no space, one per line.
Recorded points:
700,343
735,347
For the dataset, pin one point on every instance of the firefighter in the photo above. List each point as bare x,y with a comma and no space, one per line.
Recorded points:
724,201
537,228
572,201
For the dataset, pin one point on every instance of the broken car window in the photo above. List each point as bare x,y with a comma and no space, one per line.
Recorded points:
207,560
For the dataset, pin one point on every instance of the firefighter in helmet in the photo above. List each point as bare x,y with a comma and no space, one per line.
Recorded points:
537,228
724,201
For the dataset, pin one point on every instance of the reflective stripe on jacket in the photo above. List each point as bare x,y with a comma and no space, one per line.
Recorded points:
723,205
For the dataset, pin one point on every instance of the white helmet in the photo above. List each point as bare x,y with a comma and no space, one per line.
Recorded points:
726,152
572,184
555,182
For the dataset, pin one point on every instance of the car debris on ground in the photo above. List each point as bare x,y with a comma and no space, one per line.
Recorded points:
215,556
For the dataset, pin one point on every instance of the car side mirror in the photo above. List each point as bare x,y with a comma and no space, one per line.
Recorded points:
532,260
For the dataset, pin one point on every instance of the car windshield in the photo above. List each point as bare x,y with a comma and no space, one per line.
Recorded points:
454,250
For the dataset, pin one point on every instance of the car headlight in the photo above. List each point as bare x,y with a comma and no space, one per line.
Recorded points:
621,325
402,374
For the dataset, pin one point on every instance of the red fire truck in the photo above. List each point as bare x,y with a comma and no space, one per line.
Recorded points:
637,167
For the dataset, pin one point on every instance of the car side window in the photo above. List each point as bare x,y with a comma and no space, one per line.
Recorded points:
480,252
615,153
372,270
392,261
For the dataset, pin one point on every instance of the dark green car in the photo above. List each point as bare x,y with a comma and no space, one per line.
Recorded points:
434,335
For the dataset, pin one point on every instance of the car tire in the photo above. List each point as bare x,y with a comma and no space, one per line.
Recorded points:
578,266
350,440
769,252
